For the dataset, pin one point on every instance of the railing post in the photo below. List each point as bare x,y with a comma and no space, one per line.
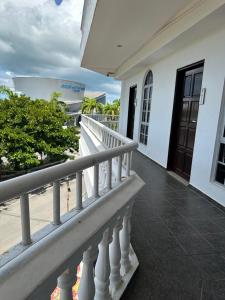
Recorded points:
65,283
128,164
56,202
119,170
25,219
125,242
87,285
115,256
96,180
109,175
102,269
78,200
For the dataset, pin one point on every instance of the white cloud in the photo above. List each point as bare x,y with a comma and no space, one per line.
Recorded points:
37,37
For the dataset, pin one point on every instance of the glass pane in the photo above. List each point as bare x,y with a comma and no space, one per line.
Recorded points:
145,139
197,84
187,86
150,92
222,153
149,78
149,105
143,116
146,93
148,115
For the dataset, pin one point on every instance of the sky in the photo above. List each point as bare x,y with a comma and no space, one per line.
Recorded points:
39,38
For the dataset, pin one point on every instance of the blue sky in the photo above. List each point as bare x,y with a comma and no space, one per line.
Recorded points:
42,39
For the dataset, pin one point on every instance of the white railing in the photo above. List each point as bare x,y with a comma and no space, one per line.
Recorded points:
109,121
97,229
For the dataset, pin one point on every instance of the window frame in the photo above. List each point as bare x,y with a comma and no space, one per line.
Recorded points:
145,109
220,139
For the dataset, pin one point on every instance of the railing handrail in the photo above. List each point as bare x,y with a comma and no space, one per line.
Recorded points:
26,183
117,135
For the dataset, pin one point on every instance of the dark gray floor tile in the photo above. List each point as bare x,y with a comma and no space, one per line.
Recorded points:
172,236
217,240
194,244
211,265
213,290
205,226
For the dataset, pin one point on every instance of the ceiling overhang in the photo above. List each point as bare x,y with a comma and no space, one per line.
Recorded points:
120,36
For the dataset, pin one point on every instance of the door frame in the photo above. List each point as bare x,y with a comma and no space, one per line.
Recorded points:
128,111
178,90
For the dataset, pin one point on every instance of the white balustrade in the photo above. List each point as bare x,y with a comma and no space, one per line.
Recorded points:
125,242
115,257
102,269
56,202
78,200
80,233
87,284
65,283
25,219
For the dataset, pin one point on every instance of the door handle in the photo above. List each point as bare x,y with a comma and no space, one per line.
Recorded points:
193,121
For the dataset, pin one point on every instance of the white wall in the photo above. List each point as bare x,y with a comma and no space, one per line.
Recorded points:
212,49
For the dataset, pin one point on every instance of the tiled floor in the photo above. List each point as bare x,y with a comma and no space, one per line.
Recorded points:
179,238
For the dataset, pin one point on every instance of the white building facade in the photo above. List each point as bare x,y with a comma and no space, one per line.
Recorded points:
72,93
171,64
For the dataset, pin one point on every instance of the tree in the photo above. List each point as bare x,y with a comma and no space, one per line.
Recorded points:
30,127
54,100
6,91
90,106
112,109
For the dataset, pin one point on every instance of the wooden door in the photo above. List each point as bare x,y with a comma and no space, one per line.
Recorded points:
185,118
131,112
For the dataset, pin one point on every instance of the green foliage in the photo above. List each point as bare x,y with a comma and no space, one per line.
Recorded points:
54,100
112,109
90,106
30,126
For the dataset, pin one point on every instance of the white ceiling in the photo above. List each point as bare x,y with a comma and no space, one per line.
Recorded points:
130,23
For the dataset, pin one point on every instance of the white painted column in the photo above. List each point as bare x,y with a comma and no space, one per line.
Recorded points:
102,269
65,283
87,285
115,257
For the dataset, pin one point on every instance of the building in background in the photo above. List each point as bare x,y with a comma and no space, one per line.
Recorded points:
99,96
72,92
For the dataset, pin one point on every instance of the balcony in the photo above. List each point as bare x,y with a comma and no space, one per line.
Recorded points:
177,233
94,235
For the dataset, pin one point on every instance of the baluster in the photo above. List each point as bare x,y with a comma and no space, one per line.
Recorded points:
125,242
87,285
102,269
96,181
56,203
128,164
25,219
109,141
78,200
109,175
65,282
115,257
119,170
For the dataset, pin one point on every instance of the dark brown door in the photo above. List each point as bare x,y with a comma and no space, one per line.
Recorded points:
131,112
185,115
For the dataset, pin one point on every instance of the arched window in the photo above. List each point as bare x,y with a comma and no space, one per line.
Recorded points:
146,107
